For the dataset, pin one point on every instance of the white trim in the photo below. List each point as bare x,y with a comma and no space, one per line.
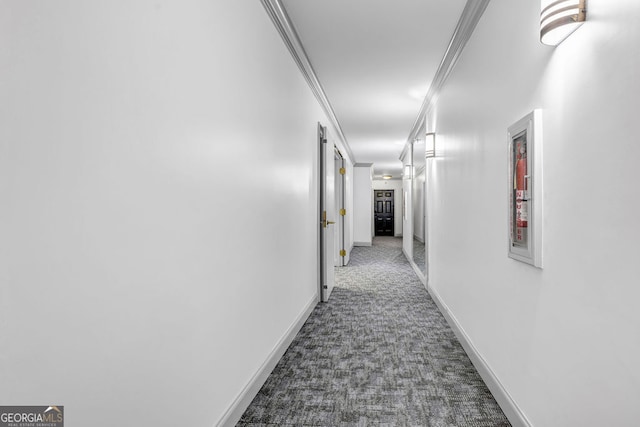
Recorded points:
278,14
405,150
500,393
233,414
470,17
362,244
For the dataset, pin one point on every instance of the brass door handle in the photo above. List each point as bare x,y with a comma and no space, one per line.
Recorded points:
325,223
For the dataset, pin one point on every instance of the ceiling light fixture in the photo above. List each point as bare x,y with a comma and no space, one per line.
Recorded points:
560,18
387,176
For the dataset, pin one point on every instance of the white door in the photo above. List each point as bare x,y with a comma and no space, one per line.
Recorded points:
327,214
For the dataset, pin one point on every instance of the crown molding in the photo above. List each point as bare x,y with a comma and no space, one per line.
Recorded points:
278,14
406,150
470,17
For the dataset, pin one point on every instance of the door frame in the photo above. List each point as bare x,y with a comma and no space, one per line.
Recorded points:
340,208
393,211
326,215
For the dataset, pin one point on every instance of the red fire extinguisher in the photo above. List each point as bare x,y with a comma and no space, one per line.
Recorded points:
522,208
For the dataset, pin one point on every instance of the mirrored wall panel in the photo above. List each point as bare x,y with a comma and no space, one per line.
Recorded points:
418,196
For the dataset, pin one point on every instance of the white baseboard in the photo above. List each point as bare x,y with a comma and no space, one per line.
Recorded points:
249,392
362,244
502,396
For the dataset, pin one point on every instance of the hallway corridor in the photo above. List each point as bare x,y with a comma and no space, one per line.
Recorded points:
378,353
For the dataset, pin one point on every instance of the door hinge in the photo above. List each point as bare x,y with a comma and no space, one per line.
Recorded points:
343,252
343,171
343,212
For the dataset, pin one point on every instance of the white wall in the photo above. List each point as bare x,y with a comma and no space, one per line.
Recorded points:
362,205
564,340
396,185
152,154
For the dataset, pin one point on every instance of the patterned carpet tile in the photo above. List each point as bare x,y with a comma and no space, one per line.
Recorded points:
378,353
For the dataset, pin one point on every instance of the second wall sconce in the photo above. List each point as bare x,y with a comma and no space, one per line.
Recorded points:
407,172
430,148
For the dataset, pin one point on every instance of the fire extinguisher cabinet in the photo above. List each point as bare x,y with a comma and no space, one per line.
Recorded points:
525,189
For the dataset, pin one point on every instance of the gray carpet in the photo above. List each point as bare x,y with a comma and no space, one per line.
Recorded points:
378,353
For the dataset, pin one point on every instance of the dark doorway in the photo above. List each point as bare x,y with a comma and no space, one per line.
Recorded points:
383,212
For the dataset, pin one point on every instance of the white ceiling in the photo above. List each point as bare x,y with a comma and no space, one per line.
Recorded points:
375,60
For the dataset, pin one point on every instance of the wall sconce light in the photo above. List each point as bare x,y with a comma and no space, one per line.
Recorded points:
407,172
560,18
430,148
387,176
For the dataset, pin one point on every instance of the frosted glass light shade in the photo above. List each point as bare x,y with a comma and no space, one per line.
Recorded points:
407,172
560,18
430,149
